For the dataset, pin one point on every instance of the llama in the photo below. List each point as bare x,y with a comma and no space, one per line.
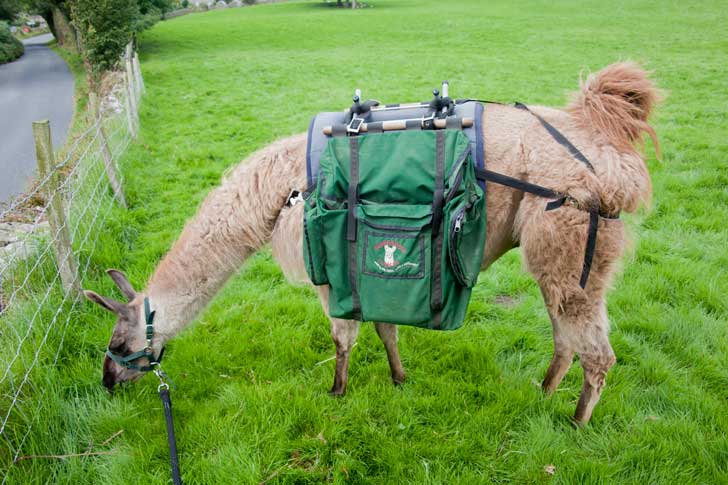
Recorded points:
605,120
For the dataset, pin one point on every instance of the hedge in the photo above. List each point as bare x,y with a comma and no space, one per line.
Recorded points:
10,47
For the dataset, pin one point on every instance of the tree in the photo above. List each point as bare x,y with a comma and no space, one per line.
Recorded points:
9,9
104,28
152,6
340,3
57,14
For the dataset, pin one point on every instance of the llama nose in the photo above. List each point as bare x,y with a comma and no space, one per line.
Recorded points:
109,378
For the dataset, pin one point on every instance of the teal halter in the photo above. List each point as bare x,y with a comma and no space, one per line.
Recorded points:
129,361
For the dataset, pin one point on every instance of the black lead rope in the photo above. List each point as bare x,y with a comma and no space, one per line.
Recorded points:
171,440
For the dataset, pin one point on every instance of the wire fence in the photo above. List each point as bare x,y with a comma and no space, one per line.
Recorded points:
47,239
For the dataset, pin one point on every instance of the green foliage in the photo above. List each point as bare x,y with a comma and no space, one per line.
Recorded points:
149,6
250,402
10,47
151,12
106,26
9,9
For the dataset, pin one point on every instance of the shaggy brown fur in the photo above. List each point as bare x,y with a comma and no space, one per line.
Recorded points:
616,102
604,120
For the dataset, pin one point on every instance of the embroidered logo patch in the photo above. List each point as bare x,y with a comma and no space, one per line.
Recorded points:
397,257
390,263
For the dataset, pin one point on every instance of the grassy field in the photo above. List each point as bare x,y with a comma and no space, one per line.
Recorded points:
250,398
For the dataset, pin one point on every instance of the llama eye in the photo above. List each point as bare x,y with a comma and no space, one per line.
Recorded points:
118,348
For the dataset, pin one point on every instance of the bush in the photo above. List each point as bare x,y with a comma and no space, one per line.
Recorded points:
10,47
106,27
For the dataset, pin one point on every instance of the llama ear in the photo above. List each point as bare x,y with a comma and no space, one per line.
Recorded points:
107,303
120,279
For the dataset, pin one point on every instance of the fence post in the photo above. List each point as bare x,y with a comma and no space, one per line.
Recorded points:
131,80
105,152
129,114
138,73
57,219
131,110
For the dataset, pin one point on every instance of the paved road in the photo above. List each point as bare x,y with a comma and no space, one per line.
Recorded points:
37,86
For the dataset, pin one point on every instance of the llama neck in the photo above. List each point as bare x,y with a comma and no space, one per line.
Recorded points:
234,221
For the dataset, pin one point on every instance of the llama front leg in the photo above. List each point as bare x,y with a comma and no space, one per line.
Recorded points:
388,334
344,333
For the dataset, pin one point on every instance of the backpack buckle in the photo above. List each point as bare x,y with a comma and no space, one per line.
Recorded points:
354,126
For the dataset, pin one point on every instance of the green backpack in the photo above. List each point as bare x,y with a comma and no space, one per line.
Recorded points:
395,225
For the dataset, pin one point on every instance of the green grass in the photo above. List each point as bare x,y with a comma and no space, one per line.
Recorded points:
250,401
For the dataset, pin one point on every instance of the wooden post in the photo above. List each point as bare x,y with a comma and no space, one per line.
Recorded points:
138,73
131,76
132,112
129,113
57,218
106,153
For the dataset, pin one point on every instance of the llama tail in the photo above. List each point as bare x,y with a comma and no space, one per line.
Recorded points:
617,101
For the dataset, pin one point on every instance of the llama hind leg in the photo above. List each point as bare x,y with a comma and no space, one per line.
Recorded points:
583,329
561,361
596,357
388,334
553,246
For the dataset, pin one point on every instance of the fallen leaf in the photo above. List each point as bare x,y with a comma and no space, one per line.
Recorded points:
549,469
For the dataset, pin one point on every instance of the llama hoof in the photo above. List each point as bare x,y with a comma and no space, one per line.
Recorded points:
547,389
579,422
398,380
337,393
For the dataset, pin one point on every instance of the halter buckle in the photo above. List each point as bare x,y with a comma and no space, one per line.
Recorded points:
163,384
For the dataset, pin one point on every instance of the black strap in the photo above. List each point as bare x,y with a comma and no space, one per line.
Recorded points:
437,233
171,440
375,127
559,137
454,123
591,244
338,130
501,179
439,195
353,200
353,187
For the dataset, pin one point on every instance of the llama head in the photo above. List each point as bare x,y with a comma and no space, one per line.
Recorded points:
129,334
